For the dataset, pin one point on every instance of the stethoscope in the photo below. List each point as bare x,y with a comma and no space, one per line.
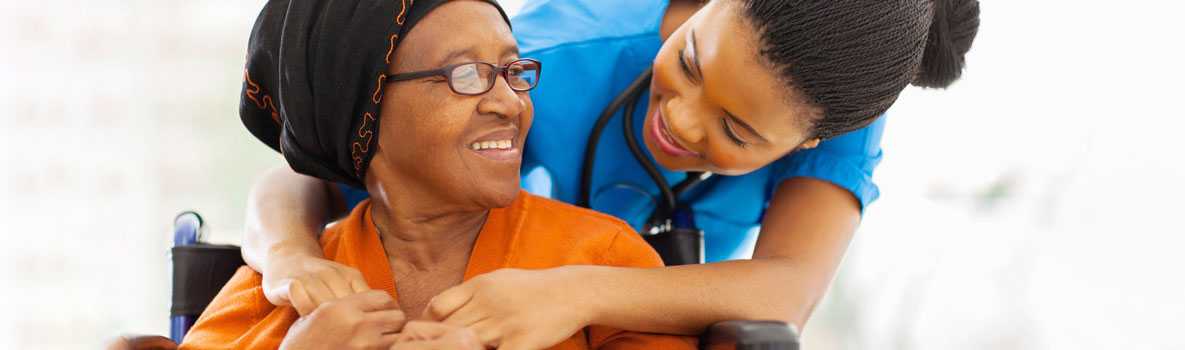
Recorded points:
672,222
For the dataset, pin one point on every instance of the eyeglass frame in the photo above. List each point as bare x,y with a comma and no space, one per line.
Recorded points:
447,73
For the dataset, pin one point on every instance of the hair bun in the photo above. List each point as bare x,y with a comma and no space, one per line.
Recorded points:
952,31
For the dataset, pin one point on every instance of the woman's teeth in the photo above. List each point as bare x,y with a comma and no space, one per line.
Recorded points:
484,145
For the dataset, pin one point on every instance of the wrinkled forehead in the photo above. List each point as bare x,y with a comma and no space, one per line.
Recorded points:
458,31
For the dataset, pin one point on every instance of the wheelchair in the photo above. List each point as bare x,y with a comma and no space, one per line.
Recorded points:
201,269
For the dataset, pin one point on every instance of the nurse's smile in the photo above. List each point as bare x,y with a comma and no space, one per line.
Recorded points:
714,106
661,134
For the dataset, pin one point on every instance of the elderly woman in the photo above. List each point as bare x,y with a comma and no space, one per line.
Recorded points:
426,107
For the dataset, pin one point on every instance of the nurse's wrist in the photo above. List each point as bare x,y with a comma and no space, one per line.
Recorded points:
294,249
591,287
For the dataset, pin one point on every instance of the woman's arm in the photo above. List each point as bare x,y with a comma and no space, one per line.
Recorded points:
285,213
803,238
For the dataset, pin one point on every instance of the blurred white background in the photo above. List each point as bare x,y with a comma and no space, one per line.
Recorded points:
1035,205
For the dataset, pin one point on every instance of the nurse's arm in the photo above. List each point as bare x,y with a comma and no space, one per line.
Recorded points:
286,211
804,235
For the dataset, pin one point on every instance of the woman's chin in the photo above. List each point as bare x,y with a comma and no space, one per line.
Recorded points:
499,195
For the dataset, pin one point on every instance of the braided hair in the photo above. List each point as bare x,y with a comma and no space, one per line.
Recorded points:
852,58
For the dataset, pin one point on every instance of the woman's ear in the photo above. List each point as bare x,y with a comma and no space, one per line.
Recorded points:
809,144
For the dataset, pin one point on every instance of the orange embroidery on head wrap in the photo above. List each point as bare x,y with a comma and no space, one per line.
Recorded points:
378,89
391,48
361,147
402,12
252,93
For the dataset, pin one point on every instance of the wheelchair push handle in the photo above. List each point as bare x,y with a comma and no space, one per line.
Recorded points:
187,228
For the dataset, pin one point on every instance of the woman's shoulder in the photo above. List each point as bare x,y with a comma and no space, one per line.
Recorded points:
545,24
555,233
546,211
356,221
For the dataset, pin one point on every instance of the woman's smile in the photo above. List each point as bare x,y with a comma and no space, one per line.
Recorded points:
502,145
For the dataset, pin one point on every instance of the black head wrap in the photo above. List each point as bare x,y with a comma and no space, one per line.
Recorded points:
315,75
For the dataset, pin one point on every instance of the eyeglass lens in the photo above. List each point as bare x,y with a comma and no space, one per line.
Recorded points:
477,78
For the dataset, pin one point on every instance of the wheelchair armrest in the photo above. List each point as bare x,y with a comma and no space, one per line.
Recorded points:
749,335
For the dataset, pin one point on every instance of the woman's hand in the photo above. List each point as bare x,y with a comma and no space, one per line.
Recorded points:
306,282
423,335
517,309
368,320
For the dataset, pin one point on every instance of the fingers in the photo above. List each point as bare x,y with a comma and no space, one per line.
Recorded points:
387,321
300,298
469,314
439,344
153,342
278,293
337,284
388,339
373,300
318,292
356,280
323,280
463,338
423,330
453,338
448,302
487,333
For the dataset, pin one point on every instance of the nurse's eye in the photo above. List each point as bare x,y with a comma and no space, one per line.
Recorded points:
683,66
732,134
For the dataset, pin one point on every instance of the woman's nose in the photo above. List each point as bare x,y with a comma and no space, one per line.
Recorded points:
502,100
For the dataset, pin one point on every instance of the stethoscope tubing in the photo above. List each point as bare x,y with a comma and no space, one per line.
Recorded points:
630,98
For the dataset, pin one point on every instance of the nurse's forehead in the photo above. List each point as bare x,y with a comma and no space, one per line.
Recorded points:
737,78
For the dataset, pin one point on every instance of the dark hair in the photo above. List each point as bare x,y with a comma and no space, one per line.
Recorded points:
852,58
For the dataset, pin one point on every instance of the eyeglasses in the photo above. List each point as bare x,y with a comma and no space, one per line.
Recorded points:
476,78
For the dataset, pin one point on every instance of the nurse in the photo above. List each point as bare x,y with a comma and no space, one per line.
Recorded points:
782,99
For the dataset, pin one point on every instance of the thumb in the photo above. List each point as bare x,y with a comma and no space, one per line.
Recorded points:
277,292
448,302
301,301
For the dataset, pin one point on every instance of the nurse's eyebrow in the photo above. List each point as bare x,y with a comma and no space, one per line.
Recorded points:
746,126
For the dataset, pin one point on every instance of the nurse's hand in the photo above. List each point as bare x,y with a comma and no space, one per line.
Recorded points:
424,335
368,320
516,309
306,282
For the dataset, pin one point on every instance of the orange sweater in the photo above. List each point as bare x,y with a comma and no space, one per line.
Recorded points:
532,233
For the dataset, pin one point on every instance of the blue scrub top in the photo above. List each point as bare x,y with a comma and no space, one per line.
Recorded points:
591,51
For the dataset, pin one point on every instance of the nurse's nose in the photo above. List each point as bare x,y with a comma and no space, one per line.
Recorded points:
684,121
502,101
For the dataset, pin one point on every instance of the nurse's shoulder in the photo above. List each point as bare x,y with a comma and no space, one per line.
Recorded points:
544,24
